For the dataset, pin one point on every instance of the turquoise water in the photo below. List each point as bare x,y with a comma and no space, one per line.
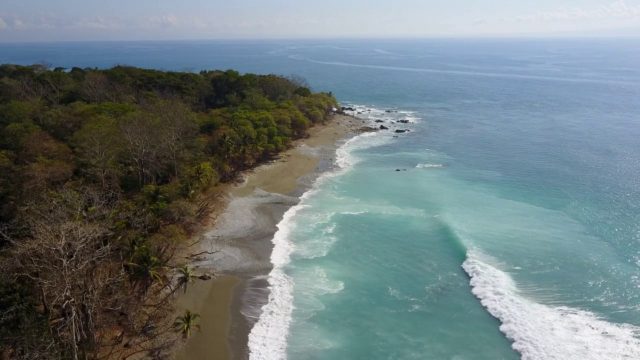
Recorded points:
514,231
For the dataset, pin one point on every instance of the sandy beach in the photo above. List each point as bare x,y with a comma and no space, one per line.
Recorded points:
240,243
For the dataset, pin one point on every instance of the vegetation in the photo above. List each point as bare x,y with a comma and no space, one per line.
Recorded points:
102,181
186,323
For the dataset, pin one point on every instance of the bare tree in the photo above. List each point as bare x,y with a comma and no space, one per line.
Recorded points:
67,258
99,142
155,143
95,87
177,127
141,138
298,80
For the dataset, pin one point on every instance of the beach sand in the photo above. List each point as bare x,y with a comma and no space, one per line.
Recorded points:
213,301
240,243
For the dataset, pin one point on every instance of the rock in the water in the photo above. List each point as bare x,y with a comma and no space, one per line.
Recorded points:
382,127
400,131
397,169
379,121
403,121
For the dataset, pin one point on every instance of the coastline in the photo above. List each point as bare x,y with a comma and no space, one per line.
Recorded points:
239,241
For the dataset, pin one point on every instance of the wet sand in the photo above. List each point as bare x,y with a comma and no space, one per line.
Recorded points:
213,300
240,243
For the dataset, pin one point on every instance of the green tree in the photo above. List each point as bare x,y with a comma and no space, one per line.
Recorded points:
145,268
185,277
186,323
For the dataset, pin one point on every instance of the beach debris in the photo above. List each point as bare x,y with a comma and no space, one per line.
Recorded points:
196,255
367,129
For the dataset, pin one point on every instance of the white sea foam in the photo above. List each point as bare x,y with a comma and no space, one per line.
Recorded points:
542,332
316,248
429,166
389,115
467,73
268,337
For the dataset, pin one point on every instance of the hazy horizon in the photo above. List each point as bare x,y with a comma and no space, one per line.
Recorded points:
147,20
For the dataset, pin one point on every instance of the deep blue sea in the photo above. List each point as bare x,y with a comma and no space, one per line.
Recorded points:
512,229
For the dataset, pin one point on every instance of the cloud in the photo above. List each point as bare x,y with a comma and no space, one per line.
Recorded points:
479,22
163,21
19,24
98,23
616,10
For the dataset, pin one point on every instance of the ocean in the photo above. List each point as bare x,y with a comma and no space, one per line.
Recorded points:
504,224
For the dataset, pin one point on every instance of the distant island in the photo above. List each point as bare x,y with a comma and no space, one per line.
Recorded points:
105,176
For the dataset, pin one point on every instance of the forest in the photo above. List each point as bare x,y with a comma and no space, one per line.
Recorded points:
104,176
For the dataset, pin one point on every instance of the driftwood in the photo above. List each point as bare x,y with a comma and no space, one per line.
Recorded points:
202,253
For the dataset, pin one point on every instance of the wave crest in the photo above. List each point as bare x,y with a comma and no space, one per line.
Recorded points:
429,166
544,332
268,337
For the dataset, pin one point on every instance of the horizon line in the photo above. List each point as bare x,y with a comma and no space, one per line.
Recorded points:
355,38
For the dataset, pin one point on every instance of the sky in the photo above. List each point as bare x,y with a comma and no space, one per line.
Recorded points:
84,20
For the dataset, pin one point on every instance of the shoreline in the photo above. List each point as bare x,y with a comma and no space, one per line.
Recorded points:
240,240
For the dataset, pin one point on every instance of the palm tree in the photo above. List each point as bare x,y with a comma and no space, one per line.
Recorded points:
145,268
186,323
186,276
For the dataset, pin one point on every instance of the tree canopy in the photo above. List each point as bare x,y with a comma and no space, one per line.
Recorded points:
102,173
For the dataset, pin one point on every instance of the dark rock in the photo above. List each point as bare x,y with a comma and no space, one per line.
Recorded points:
382,127
204,277
379,121
403,121
397,169
348,109
400,131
